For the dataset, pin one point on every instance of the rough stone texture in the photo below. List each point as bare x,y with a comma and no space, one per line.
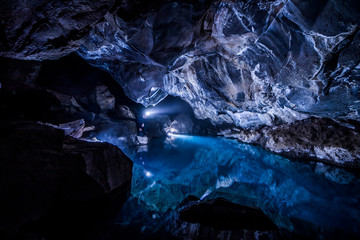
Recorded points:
181,124
123,112
137,53
73,129
249,63
65,91
246,63
103,98
46,29
317,139
46,177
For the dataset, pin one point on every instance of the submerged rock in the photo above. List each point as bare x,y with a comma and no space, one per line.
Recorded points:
194,219
221,219
220,213
55,186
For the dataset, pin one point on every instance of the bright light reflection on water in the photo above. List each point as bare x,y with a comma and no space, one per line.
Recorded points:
215,167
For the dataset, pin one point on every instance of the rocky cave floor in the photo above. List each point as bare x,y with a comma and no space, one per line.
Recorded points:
76,80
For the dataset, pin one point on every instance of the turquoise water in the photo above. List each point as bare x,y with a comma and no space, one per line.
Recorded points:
296,195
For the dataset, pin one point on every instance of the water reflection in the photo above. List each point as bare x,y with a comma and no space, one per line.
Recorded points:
285,190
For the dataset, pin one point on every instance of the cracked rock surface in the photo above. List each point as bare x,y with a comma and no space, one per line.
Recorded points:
314,138
253,65
46,29
242,62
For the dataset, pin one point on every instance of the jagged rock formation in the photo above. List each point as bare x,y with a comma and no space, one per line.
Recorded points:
46,29
242,62
317,139
249,64
45,177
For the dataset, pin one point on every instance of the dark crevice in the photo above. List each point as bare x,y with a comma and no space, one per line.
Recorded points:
331,60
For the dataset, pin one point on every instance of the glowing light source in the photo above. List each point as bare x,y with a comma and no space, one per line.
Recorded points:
147,173
150,111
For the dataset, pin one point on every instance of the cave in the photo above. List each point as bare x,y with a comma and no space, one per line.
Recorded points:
179,120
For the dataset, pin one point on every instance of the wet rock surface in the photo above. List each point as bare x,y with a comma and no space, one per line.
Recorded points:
47,177
314,138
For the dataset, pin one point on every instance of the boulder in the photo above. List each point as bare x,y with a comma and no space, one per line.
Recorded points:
54,186
102,97
123,112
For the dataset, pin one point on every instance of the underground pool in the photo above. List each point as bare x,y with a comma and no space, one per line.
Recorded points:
296,195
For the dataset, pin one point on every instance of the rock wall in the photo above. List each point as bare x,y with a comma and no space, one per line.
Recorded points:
58,187
46,29
247,63
318,139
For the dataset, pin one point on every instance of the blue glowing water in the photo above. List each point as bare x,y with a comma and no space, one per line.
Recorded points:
290,192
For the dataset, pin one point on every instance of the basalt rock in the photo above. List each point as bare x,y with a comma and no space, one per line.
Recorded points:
137,53
248,63
314,138
58,187
46,29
